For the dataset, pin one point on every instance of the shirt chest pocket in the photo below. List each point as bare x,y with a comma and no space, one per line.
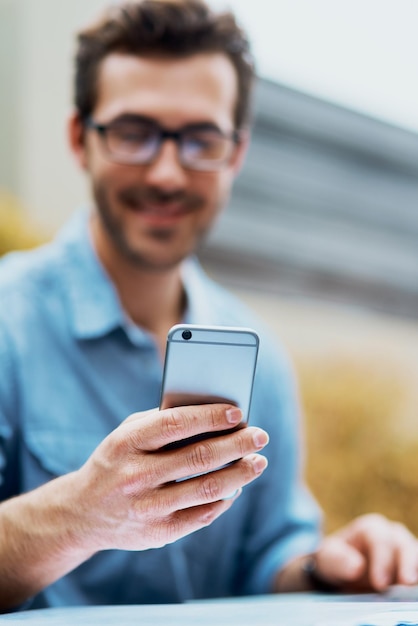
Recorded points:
48,453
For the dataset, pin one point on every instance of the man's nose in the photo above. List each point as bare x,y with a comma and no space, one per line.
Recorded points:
166,171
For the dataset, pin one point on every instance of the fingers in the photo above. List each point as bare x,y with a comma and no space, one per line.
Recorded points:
213,486
407,570
140,501
388,549
402,564
209,454
176,509
338,562
186,521
153,430
382,557
391,550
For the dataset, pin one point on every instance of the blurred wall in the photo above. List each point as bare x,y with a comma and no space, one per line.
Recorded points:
36,39
339,192
9,64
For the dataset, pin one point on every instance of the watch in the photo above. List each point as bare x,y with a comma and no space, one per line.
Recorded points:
315,580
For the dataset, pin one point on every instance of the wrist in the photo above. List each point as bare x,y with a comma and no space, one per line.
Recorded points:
313,577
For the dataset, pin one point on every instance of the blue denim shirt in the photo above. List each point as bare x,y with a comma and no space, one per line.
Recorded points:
73,367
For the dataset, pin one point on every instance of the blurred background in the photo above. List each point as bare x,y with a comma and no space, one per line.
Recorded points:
322,232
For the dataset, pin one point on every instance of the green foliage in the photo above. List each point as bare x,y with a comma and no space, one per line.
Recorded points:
359,459
16,230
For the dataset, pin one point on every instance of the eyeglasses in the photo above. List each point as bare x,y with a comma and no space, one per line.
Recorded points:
138,141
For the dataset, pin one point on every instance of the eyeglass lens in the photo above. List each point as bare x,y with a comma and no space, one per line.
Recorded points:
140,142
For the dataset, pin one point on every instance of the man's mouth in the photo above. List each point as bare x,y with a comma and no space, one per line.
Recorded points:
158,206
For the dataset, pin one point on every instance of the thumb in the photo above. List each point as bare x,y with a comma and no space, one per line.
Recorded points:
338,562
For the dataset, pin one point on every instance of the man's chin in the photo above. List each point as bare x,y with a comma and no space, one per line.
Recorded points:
156,267
154,261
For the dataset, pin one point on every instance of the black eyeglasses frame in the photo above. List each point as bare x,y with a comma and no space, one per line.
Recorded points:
165,134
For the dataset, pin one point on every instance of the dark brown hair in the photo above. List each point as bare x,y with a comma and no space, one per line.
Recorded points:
177,28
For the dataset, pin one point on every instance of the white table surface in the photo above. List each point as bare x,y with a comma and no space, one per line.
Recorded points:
286,610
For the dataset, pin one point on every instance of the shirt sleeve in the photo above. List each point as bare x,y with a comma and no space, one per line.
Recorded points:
284,520
9,472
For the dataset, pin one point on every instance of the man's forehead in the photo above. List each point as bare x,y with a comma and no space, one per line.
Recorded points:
196,85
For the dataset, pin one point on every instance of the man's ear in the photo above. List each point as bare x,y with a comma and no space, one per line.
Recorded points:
77,140
241,151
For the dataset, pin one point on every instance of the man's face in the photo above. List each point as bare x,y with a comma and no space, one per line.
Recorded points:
155,215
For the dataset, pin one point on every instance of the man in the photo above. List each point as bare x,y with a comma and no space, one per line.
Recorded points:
92,511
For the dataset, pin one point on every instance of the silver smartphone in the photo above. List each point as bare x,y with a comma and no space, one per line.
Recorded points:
207,364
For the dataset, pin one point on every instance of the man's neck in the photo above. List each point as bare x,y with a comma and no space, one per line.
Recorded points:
154,300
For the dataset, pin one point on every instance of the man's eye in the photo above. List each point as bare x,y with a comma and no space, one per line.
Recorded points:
198,142
134,135
203,141
204,145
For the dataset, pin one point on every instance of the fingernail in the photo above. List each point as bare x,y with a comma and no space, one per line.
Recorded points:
260,439
259,464
233,495
237,493
234,416
410,578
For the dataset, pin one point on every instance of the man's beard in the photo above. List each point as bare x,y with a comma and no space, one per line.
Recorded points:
138,198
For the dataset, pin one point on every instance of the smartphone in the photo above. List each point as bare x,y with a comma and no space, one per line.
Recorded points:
207,364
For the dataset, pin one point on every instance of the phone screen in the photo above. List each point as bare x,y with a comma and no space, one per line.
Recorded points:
209,364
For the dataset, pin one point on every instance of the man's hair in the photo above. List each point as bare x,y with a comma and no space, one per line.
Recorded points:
166,28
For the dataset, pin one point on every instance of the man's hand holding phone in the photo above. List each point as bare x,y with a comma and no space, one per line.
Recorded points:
136,477
131,493
131,499
126,496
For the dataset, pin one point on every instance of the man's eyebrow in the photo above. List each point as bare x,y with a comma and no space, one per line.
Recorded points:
132,118
202,126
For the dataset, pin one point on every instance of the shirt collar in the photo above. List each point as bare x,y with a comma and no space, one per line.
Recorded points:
94,308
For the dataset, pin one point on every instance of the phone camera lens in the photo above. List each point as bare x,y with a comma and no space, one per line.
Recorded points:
186,334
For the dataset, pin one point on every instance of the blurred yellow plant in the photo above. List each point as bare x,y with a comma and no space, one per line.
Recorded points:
17,231
359,461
